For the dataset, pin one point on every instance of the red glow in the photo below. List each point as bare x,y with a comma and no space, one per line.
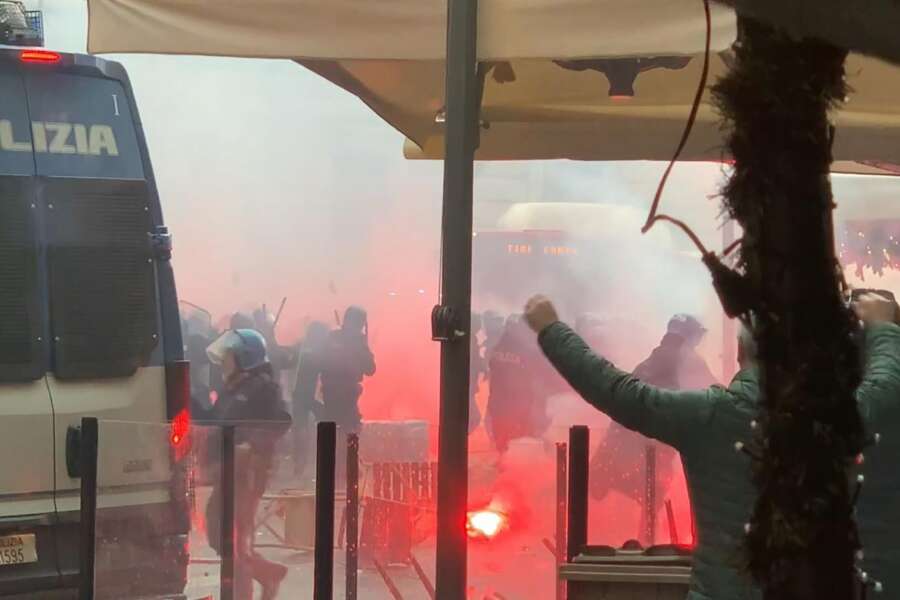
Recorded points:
620,98
485,524
180,426
213,397
39,56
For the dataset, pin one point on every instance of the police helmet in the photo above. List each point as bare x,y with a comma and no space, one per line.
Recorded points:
686,326
355,318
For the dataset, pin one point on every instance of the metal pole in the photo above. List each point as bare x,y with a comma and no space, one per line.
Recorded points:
650,493
561,488
579,458
226,574
729,330
461,139
352,515
323,578
88,470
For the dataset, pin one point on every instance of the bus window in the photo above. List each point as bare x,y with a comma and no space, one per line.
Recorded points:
82,127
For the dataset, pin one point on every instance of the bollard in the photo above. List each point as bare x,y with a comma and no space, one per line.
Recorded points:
579,459
87,459
226,573
561,487
352,518
323,577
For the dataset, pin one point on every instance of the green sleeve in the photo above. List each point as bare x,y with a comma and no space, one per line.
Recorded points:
880,387
672,417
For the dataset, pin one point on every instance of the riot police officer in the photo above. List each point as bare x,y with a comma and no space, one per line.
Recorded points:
251,400
347,360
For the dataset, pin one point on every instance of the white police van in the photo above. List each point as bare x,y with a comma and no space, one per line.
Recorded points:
89,326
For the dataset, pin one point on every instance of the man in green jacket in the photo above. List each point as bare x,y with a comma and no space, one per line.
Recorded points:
705,427
878,508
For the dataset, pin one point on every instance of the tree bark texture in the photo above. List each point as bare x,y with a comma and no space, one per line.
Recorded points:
776,101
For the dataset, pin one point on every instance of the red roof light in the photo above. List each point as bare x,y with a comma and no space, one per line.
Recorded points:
39,56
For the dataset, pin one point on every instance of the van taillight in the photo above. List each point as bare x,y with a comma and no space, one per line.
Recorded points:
178,400
181,424
39,56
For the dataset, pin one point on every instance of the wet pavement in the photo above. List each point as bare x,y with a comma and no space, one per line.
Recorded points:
523,573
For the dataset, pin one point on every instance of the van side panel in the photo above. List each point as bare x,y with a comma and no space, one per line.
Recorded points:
132,399
26,432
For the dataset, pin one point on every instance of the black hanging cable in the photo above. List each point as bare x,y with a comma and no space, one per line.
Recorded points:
654,217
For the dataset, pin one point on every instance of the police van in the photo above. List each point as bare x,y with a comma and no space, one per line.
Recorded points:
89,326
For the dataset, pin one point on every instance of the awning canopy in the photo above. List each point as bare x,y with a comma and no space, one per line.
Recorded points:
402,29
551,112
390,54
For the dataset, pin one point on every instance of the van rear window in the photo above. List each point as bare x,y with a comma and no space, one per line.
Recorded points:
77,278
15,131
74,126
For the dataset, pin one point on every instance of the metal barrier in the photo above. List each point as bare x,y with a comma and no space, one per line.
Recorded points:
127,466
561,508
352,517
226,574
659,573
163,514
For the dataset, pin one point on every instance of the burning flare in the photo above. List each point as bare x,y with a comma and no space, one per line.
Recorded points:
485,524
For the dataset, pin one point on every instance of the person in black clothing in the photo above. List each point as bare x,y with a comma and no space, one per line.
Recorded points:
620,461
347,359
202,406
282,358
517,403
477,367
251,399
307,406
494,325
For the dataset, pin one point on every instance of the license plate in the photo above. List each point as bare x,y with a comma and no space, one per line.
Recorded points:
18,549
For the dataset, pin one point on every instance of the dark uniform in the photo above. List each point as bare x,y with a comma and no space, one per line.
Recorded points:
878,509
620,462
306,406
255,400
347,359
703,426
477,368
517,406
